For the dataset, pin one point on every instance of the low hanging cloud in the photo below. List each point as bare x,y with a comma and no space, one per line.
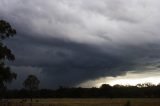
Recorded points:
69,42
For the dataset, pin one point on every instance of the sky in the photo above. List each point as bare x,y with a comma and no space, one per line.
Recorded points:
84,42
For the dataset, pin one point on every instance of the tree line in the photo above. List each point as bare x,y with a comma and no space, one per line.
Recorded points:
146,90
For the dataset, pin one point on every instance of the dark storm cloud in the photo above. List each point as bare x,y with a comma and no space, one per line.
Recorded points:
64,62
69,42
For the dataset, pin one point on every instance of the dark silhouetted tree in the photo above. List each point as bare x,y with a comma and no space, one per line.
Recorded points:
105,86
6,76
105,90
31,84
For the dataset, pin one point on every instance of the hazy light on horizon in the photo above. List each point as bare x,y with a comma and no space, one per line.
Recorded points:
129,78
136,78
135,81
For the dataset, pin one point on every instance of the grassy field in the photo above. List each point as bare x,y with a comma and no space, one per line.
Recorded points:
84,102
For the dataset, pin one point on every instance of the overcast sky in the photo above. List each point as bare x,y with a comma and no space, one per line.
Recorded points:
70,42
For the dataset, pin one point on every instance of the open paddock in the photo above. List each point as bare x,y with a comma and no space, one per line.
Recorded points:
83,102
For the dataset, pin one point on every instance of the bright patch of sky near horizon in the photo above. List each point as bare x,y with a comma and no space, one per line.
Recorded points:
130,78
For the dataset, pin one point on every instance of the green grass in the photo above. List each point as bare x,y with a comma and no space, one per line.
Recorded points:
86,102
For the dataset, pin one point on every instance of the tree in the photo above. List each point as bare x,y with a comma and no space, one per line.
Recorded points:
31,83
105,90
105,86
6,76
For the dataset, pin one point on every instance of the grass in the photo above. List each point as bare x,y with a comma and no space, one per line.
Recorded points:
86,102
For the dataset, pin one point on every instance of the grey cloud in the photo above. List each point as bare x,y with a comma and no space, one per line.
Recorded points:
68,63
75,41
